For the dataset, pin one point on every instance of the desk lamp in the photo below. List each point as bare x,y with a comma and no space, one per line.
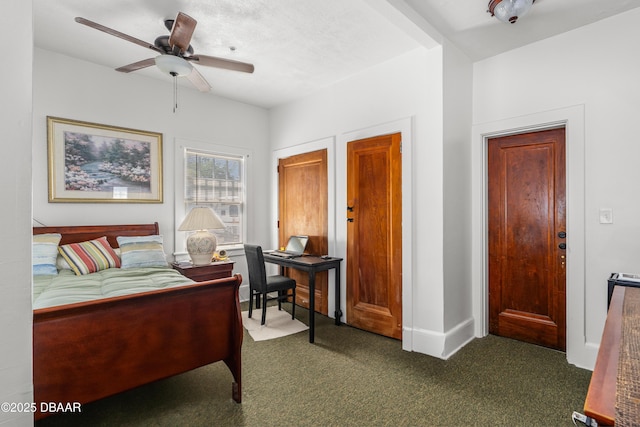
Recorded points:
202,244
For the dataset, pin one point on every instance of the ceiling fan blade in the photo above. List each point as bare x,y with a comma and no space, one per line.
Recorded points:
183,27
227,64
116,33
198,80
137,65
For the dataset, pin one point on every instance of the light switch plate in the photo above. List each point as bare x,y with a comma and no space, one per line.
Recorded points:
606,216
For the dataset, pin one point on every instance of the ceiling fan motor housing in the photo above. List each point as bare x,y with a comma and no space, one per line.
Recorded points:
162,42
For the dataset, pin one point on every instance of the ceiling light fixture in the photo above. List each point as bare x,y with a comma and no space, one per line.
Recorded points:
509,10
176,67
171,64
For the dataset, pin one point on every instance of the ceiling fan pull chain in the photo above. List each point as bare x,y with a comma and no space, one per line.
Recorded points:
175,91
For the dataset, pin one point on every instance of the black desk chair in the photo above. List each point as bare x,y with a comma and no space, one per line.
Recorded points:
260,284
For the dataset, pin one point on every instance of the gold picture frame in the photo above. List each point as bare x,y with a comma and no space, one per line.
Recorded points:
95,163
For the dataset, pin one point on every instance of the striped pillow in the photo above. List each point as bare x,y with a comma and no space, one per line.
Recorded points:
142,251
90,256
44,253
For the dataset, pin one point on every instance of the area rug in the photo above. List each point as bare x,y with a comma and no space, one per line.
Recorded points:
279,324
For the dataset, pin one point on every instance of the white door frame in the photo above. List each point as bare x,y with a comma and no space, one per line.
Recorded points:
308,147
403,126
572,118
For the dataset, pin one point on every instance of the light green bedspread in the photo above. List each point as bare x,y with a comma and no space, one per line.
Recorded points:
67,288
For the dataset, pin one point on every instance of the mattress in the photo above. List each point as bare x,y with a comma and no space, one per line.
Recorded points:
67,288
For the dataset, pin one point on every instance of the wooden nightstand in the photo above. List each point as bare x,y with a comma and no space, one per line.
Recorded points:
201,273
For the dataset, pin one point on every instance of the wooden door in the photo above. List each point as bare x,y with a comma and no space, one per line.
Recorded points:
526,214
374,235
303,210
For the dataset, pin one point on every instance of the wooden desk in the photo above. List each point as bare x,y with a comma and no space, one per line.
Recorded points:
201,273
600,403
312,264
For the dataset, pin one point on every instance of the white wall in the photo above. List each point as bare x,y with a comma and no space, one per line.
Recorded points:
458,315
590,74
587,75
74,89
405,90
15,233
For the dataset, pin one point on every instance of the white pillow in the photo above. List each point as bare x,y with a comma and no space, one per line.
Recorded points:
141,251
44,254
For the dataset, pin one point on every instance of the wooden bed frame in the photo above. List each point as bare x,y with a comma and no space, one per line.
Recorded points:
85,351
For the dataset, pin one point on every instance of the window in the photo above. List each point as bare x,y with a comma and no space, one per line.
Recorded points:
217,181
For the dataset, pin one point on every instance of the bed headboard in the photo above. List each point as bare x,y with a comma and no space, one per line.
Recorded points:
81,233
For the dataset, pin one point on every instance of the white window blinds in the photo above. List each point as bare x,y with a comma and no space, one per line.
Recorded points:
217,181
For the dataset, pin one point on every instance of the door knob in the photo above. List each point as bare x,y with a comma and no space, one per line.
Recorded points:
562,246
562,234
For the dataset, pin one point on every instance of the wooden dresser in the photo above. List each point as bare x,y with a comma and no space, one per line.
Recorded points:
604,387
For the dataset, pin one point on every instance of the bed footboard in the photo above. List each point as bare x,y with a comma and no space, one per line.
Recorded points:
86,351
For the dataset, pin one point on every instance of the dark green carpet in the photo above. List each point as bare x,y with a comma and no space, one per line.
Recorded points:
354,378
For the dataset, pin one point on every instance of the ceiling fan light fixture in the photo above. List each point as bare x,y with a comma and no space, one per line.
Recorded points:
173,65
509,10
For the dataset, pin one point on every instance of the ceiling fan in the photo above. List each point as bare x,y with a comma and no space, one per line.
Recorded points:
175,52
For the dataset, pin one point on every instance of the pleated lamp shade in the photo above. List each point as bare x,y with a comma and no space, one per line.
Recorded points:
202,244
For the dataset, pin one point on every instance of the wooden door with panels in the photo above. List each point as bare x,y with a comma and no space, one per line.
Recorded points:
302,210
374,235
527,237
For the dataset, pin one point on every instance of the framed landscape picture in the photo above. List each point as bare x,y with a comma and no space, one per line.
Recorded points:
94,163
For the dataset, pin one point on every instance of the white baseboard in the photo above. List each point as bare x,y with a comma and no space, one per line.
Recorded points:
243,292
438,344
427,342
458,337
585,357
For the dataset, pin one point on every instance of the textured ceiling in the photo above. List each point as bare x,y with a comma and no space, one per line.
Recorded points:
300,46
468,25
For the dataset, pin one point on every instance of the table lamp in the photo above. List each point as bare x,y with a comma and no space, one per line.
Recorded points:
202,244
